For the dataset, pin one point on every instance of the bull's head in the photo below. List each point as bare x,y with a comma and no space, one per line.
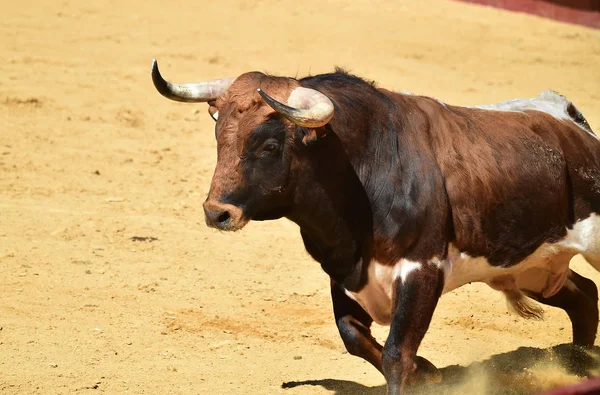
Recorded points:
258,138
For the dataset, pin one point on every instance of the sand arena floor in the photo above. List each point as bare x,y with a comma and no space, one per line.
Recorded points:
109,280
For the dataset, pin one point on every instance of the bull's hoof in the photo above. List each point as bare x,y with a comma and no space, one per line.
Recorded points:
425,373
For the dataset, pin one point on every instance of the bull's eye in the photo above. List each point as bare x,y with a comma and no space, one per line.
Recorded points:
271,147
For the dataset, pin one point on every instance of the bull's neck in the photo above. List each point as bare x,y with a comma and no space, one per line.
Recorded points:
364,184
333,209
353,179
329,197
341,172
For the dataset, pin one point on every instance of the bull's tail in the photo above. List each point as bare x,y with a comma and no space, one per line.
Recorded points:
578,118
572,111
522,305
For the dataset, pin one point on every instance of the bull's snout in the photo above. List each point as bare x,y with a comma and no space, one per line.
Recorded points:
223,216
217,218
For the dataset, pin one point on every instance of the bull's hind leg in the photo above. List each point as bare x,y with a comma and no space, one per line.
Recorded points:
354,325
578,297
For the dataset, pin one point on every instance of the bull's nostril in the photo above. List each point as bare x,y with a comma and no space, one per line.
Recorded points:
219,216
224,217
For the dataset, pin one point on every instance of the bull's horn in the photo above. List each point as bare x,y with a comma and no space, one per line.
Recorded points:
305,107
193,92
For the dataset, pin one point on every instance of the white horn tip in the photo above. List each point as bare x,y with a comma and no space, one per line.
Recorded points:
259,90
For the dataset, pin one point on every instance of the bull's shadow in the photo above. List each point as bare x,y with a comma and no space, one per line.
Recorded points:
526,370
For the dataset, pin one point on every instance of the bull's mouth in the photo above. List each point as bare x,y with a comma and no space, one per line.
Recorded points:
230,218
271,214
229,225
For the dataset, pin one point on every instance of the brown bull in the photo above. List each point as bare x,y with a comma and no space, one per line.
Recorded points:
403,198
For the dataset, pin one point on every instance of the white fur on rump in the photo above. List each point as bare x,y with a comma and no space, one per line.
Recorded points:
548,101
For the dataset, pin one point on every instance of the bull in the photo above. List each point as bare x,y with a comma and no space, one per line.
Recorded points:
403,198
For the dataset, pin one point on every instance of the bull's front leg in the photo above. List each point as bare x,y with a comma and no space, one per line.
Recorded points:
354,325
415,294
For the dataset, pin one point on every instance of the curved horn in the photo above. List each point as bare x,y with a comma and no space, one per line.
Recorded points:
195,92
305,107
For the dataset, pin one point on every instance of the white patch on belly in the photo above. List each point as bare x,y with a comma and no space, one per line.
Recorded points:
544,271
376,296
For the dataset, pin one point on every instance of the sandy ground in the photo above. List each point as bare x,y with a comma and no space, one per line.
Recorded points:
109,279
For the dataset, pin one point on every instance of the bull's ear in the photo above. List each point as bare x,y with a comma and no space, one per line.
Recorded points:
311,136
212,110
214,113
